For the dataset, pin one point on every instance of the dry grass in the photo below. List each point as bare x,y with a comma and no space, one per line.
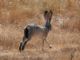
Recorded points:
64,39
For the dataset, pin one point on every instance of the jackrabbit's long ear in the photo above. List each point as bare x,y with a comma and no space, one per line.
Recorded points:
51,13
45,13
48,15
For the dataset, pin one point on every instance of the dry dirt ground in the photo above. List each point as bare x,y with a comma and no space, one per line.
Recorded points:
64,36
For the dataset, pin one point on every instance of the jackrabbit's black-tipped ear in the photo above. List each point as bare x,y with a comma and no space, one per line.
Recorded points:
45,13
51,12
48,15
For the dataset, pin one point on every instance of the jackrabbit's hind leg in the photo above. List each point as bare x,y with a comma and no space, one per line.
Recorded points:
22,44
